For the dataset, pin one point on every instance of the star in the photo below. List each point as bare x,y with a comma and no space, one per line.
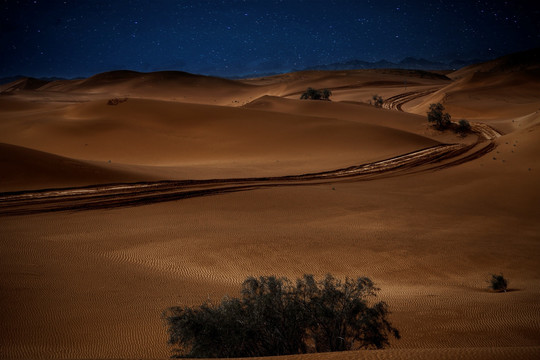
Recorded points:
245,32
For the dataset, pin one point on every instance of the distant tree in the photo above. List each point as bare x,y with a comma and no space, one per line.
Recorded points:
377,101
275,317
498,283
463,126
436,115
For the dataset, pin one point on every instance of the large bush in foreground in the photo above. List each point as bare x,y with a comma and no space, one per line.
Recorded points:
275,317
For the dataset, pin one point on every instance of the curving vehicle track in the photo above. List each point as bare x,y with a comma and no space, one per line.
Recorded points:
397,101
133,194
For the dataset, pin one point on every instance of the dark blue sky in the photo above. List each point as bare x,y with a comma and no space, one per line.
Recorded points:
235,37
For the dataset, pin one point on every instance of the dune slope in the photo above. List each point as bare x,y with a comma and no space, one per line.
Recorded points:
185,140
500,89
25,169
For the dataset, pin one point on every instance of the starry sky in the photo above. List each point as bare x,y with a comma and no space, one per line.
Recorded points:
79,38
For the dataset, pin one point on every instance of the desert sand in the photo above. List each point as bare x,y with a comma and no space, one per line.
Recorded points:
109,214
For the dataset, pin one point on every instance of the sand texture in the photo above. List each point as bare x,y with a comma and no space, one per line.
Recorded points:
109,214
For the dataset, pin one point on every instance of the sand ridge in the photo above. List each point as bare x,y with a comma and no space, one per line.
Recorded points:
498,89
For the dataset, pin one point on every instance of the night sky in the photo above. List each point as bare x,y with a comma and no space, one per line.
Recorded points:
226,38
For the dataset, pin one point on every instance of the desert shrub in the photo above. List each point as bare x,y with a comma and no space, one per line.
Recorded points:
326,93
377,100
498,283
314,94
440,119
463,126
311,93
276,317
116,101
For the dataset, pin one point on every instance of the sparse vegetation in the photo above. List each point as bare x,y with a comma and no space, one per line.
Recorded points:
463,127
116,101
311,93
314,94
498,283
377,101
326,93
440,119
276,317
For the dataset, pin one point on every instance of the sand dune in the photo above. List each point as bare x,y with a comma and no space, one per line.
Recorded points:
24,169
189,137
164,85
91,279
518,62
172,85
499,89
488,96
350,85
22,84
125,194
358,85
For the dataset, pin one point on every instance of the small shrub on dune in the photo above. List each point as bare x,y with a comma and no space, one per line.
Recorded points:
326,93
116,101
463,127
276,317
377,101
498,283
313,94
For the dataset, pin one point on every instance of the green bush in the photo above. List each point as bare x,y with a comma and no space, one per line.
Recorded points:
498,283
276,317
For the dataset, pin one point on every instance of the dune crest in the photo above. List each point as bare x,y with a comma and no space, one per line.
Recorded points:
498,89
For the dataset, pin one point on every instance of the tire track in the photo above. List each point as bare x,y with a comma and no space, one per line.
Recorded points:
397,101
135,194
485,132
